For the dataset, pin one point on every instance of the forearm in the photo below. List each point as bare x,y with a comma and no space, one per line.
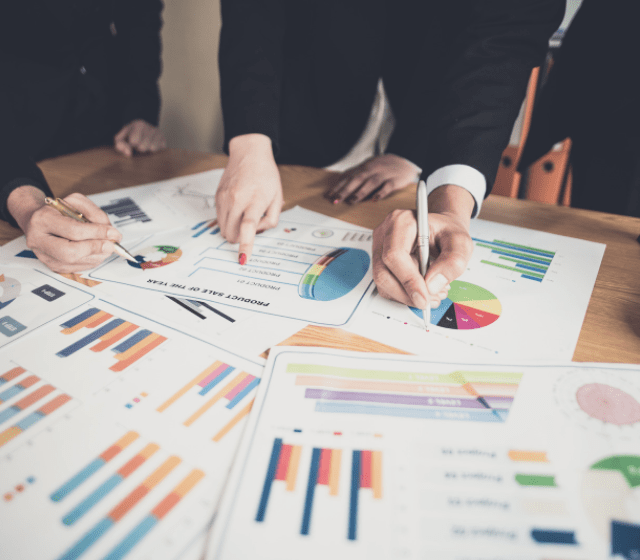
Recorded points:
454,201
23,202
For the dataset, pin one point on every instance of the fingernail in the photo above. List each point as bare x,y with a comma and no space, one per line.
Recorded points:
437,284
336,200
242,258
260,231
418,301
107,247
113,234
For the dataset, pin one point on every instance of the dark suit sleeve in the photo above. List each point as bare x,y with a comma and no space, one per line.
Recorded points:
251,60
17,168
138,24
469,82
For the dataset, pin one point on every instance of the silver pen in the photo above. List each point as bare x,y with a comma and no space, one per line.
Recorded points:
422,210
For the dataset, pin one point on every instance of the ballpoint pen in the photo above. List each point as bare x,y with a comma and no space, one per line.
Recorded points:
67,210
423,242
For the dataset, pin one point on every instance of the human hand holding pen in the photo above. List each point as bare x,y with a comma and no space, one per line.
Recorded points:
62,243
396,267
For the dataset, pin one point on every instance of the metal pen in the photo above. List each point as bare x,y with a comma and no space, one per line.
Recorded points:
67,210
422,210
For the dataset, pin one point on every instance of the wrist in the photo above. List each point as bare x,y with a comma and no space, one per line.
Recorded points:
453,201
250,144
23,202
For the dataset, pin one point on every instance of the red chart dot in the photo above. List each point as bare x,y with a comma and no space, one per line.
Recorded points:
608,404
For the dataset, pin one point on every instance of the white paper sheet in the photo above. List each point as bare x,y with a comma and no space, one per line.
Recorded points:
494,313
302,271
354,455
91,406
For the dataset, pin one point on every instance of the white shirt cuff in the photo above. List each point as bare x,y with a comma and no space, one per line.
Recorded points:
463,176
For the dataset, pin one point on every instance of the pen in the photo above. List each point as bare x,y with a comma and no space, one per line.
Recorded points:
423,242
67,210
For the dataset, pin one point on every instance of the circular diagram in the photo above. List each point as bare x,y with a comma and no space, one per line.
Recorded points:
10,290
467,306
334,274
608,404
156,256
605,401
610,490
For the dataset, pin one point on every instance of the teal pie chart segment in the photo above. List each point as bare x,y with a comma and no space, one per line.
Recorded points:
334,274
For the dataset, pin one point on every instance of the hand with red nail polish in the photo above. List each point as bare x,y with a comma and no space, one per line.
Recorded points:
249,197
378,176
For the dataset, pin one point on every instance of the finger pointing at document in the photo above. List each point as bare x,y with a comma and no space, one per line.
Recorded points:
396,268
249,198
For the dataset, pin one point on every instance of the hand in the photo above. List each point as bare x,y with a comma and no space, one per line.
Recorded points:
140,136
249,196
378,176
396,270
62,243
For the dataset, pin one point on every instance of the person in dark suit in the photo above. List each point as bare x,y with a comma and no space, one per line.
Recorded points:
298,80
592,96
75,75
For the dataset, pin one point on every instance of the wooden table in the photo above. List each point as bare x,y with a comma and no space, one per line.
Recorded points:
611,330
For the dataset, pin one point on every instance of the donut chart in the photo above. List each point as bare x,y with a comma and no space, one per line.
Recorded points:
156,256
466,307
10,290
608,404
334,274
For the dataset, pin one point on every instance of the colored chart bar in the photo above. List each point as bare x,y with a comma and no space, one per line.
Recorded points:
218,375
78,319
132,341
392,398
515,246
225,392
366,472
118,512
269,478
136,352
18,388
549,536
203,227
99,462
69,350
311,488
114,336
434,413
112,482
535,480
529,456
195,381
156,515
11,375
233,422
529,262
353,497
32,418
26,402
250,383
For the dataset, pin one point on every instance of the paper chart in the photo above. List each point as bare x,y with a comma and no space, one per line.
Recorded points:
297,271
500,467
116,436
29,299
524,295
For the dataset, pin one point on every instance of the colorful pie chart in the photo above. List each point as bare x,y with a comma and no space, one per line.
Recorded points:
334,274
9,290
156,256
467,306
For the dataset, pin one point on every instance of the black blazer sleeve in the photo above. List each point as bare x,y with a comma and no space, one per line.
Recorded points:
138,24
251,63
469,82
17,168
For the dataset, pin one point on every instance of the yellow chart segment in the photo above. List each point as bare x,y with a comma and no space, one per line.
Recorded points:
488,305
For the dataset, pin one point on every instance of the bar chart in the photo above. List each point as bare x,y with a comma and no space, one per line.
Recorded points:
126,211
97,497
107,330
209,226
224,407
325,469
39,400
529,263
460,395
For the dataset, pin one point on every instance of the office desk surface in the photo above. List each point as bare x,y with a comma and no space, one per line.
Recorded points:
611,330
